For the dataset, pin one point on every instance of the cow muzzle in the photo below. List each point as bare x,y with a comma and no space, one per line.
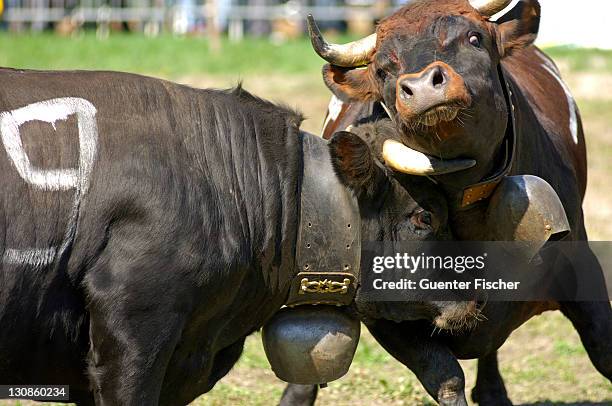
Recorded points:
435,94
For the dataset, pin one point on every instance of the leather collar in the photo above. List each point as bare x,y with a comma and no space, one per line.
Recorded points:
328,245
482,190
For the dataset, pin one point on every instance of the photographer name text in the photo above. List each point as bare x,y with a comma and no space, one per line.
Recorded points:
406,264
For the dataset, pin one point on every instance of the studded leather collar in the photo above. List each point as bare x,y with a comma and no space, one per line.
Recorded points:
329,242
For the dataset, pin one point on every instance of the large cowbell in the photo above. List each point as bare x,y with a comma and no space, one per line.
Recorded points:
311,345
526,209
313,339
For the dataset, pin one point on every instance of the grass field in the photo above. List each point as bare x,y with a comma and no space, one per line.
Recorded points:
543,362
176,56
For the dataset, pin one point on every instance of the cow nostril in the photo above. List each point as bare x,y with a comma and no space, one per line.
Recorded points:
438,78
407,90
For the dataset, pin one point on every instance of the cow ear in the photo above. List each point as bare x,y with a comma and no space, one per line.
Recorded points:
349,84
355,164
519,27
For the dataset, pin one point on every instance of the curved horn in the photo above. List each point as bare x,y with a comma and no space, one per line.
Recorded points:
489,7
353,54
406,160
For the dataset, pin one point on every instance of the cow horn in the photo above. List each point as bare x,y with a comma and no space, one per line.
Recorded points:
489,7
353,54
406,160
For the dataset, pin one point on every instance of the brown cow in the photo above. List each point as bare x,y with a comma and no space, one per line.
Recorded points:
455,82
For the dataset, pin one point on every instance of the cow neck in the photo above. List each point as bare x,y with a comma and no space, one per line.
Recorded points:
328,245
483,190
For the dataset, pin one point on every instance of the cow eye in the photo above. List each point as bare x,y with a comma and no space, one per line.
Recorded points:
381,74
475,39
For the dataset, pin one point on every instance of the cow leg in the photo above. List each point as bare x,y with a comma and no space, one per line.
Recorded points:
593,321
129,355
133,328
432,362
224,361
490,388
299,395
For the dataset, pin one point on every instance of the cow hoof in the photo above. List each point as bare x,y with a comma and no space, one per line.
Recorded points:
459,401
452,393
488,397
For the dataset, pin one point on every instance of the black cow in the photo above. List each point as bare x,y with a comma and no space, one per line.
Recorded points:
146,228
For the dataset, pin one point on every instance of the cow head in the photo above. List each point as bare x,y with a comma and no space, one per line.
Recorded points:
395,207
434,66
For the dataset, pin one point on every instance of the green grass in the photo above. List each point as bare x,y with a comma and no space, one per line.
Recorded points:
166,55
374,378
542,362
171,56
583,60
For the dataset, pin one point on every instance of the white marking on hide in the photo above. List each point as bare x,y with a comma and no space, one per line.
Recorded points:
34,257
573,119
333,110
50,111
335,107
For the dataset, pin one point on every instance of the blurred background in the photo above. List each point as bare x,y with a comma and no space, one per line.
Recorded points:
216,43
581,24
